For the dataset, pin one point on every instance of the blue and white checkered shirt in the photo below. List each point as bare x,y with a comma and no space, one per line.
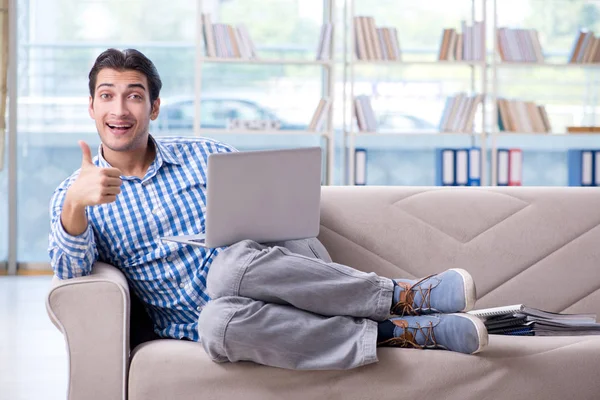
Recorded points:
170,200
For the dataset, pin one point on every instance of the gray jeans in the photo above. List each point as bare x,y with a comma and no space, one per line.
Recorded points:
287,305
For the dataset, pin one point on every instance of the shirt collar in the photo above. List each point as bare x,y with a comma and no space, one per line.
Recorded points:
163,154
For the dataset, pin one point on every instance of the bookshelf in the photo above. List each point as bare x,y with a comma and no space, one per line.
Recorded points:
354,58
550,136
479,75
552,141
251,57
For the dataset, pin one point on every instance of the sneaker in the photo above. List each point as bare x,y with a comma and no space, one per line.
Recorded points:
463,333
451,291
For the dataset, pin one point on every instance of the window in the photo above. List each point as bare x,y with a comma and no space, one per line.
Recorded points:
58,41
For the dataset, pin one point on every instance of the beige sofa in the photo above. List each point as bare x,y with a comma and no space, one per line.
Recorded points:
539,246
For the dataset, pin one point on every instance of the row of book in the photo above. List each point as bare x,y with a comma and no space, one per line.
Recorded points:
522,116
519,45
468,45
381,43
586,48
324,48
584,167
458,166
459,113
462,167
522,320
227,41
373,43
454,167
509,167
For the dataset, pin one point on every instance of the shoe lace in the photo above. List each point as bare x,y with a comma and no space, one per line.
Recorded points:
407,339
405,305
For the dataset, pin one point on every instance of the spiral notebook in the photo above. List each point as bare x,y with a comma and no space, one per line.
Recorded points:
522,320
497,312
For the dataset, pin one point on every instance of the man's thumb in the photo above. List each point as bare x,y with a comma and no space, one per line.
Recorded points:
87,153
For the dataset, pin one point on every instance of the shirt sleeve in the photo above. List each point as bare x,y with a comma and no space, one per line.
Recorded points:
70,256
225,148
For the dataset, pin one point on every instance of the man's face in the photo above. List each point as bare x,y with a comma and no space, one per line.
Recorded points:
122,110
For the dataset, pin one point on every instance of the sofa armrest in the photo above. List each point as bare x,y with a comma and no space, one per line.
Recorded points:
92,312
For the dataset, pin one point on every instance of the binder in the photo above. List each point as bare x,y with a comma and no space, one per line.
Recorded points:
445,167
581,167
474,166
360,167
461,166
597,168
515,167
502,167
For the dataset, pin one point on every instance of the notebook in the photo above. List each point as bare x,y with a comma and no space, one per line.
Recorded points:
521,320
495,312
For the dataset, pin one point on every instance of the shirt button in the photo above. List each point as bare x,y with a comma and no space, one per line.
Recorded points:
198,308
181,285
170,257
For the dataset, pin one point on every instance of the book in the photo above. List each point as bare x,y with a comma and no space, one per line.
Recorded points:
360,167
581,167
515,331
494,312
519,319
445,160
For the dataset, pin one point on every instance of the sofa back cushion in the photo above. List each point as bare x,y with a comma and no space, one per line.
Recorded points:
533,245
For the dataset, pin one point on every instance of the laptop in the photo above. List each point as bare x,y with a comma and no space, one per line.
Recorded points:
265,196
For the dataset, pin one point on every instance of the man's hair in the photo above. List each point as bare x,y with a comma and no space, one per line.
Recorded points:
129,59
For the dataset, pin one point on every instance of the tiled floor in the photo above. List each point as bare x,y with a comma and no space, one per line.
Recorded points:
33,358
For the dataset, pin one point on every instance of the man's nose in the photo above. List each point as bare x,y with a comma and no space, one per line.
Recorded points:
120,107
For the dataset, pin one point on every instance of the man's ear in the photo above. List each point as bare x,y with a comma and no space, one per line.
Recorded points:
155,109
91,108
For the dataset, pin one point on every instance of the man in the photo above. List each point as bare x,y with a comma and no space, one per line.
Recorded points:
280,304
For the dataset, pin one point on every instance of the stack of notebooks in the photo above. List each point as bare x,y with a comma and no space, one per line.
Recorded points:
528,321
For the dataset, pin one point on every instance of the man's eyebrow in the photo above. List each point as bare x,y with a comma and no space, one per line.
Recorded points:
130,86
136,85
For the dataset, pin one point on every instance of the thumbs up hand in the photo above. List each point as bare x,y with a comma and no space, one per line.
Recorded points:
87,154
94,185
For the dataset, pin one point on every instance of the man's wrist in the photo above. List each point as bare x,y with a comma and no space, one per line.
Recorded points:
72,205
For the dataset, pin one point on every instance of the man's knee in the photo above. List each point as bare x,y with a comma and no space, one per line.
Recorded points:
212,323
227,269
310,247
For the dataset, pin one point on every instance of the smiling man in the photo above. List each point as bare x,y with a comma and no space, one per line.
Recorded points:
138,188
258,297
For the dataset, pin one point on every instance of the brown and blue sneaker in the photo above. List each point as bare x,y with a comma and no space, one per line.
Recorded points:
451,291
462,333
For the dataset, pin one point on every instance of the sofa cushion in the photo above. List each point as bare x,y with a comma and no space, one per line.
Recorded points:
509,368
532,245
